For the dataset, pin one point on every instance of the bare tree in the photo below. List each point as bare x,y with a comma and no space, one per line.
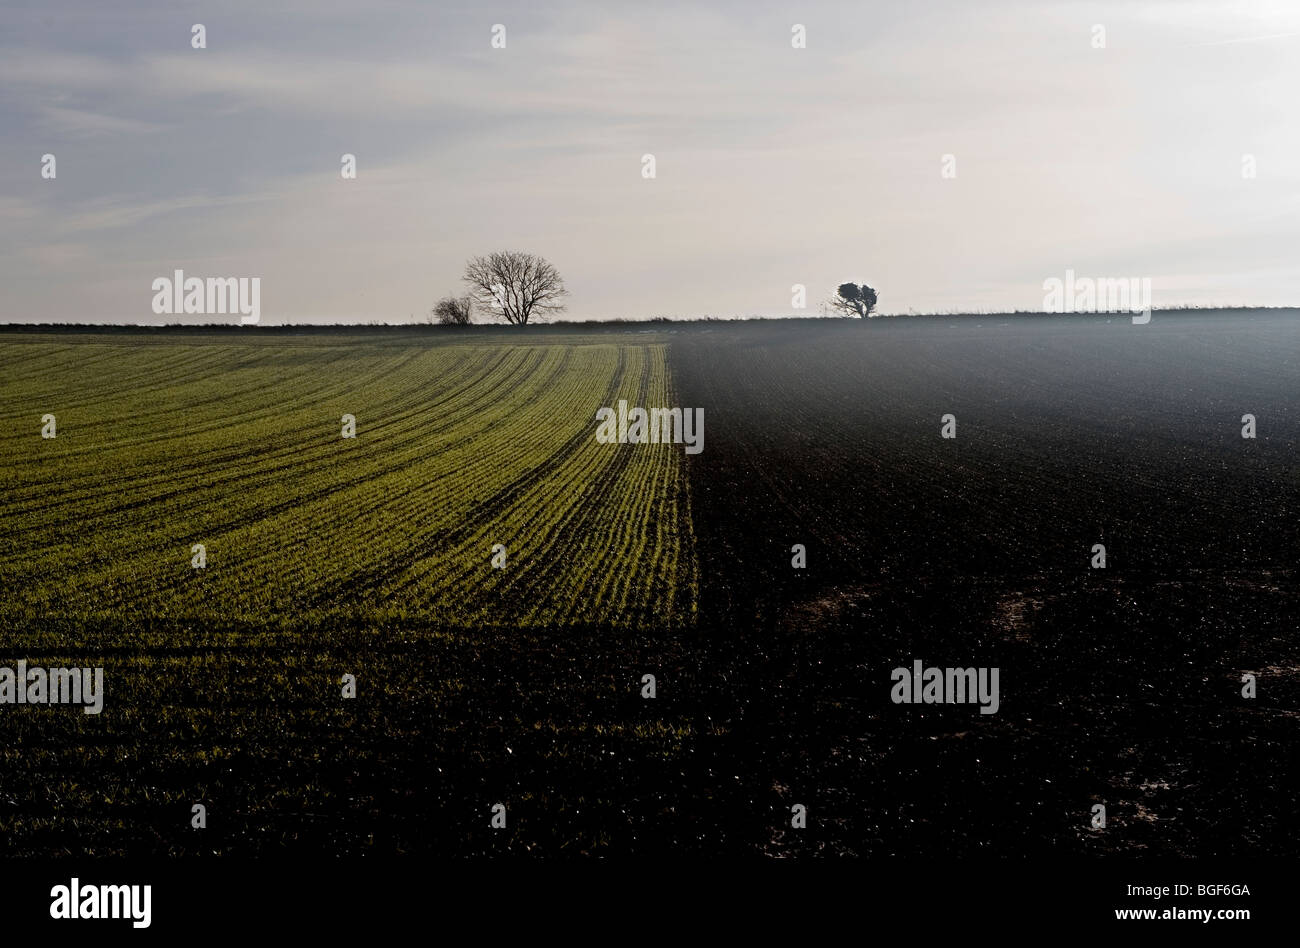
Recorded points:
514,286
850,299
454,310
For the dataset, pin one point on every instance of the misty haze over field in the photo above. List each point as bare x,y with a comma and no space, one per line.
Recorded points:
775,165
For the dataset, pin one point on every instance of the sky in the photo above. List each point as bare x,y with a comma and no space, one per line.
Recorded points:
774,165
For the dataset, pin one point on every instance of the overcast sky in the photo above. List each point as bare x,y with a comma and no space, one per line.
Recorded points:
775,165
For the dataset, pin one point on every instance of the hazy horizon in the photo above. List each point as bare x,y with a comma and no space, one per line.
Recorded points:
775,165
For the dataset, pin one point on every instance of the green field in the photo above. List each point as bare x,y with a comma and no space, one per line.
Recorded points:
237,446
326,556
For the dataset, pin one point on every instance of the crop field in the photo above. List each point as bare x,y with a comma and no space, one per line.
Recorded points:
520,681
325,556
1119,686
239,447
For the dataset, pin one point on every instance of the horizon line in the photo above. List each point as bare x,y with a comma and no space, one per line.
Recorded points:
659,320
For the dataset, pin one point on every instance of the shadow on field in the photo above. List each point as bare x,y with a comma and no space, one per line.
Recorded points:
1119,692
1120,686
